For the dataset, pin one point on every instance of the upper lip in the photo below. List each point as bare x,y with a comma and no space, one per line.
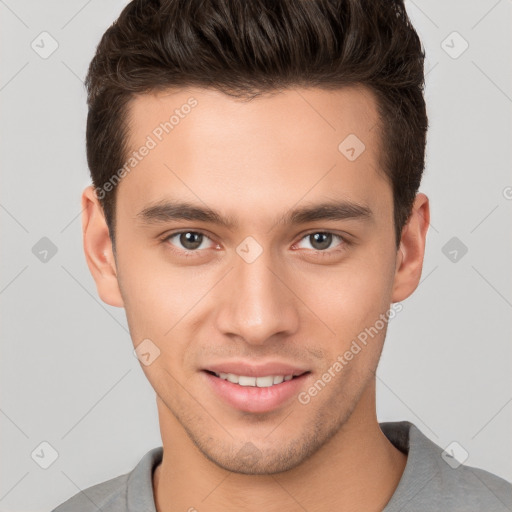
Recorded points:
253,370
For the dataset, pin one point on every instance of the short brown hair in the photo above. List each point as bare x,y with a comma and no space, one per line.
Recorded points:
247,47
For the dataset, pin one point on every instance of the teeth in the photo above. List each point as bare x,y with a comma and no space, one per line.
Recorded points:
264,382
246,381
260,382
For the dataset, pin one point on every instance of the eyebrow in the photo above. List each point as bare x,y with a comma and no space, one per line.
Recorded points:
167,211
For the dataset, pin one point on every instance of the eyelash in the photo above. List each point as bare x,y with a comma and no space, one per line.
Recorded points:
194,253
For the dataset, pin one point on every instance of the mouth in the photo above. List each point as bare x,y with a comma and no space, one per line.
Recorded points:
260,382
255,394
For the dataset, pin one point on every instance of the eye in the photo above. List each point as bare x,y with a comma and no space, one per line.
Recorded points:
321,240
188,240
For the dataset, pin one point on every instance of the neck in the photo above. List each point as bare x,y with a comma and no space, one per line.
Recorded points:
358,469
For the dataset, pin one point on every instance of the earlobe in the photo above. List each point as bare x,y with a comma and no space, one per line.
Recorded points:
411,250
98,249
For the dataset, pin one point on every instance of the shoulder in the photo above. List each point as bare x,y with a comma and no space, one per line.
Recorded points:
130,491
108,496
473,489
434,480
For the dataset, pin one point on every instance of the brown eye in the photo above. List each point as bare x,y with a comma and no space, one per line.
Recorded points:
191,240
320,241
188,241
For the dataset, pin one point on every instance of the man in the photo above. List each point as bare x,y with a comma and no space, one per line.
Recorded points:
255,210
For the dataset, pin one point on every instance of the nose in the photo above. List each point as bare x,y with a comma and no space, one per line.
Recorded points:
257,302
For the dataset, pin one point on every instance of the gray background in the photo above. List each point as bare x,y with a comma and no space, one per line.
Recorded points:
67,371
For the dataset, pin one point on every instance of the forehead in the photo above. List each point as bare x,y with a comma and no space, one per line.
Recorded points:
291,115
275,149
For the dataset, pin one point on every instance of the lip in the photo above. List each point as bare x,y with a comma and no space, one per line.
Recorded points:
252,398
262,370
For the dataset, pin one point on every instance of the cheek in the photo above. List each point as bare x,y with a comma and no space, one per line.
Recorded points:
349,297
151,295
162,302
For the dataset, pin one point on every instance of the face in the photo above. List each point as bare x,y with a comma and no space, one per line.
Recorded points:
256,239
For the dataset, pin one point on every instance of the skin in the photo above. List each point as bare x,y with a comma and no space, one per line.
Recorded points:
254,162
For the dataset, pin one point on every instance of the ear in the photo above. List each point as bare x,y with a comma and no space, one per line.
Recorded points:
98,249
410,253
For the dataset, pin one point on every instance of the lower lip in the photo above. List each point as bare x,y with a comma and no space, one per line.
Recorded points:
253,398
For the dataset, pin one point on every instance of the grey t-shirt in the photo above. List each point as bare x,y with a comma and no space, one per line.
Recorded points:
428,483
